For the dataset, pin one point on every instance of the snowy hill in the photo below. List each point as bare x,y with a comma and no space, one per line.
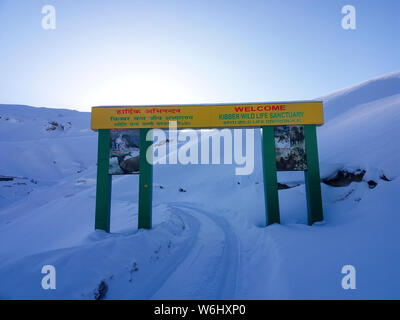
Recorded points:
211,239
49,139
42,146
365,92
361,124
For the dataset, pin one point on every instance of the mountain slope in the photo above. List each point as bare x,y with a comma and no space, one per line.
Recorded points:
210,241
342,100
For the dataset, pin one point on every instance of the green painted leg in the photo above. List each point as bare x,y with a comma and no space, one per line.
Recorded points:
312,177
145,181
270,176
103,187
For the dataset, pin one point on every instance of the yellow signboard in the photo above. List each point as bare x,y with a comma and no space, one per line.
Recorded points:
208,116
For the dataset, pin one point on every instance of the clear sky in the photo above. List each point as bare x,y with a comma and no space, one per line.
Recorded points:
165,52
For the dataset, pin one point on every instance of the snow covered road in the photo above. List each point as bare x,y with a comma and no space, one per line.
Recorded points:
210,269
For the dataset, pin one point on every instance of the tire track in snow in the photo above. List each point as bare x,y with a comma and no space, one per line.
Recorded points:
147,289
209,271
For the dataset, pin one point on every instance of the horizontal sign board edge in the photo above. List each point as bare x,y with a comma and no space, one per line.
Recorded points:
208,104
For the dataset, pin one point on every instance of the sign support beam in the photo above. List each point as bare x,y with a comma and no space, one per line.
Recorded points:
270,176
103,186
312,176
145,180
264,115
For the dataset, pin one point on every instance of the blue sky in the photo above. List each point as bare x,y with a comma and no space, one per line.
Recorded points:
156,52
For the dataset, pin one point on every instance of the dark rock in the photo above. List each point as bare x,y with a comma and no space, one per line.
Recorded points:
53,125
4,178
384,178
134,267
372,184
343,178
282,186
101,291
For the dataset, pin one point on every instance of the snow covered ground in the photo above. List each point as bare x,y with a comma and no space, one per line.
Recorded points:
209,242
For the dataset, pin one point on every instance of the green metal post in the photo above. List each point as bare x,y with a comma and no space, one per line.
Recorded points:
145,181
312,176
103,186
270,176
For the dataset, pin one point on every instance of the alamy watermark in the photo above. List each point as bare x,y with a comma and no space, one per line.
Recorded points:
349,280
49,280
189,146
49,18
349,20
